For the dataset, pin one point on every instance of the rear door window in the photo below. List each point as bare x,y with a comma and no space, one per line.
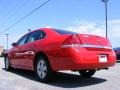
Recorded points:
36,35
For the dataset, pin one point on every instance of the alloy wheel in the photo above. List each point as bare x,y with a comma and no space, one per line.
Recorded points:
42,69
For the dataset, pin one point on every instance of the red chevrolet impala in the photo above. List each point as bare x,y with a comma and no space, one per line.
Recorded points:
47,50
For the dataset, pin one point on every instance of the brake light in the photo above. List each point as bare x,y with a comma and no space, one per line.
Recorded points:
72,41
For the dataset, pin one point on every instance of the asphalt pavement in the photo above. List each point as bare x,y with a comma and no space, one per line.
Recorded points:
25,80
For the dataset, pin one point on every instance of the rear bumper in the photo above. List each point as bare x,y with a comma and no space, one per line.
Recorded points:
90,60
85,66
79,59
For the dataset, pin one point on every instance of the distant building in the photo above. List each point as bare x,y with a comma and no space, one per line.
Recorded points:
1,49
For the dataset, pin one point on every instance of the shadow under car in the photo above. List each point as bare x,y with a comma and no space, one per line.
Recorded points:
61,79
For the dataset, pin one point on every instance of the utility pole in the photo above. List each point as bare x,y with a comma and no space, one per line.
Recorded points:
7,41
106,4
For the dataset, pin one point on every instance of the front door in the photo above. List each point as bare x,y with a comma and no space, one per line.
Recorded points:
18,52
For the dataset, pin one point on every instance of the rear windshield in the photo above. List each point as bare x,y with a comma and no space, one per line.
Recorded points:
64,32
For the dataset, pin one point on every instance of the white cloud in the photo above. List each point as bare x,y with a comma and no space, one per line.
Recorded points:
114,28
98,28
48,26
114,22
88,28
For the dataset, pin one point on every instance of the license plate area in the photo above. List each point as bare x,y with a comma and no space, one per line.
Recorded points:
103,58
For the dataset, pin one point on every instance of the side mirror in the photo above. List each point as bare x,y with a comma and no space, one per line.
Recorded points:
14,44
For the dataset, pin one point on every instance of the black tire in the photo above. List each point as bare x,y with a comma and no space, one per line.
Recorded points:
7,64
43,69
87,73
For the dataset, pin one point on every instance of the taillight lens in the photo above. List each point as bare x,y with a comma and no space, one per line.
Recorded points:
72,41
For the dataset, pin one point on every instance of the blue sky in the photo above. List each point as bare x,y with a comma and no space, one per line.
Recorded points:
84,16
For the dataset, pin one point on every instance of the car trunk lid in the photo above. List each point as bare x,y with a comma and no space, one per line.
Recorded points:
93,41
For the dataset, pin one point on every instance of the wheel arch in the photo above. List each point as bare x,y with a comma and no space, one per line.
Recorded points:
40,54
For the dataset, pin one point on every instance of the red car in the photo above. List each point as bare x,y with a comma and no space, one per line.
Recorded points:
47,50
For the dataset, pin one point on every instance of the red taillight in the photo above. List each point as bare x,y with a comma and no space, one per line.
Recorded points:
72,41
